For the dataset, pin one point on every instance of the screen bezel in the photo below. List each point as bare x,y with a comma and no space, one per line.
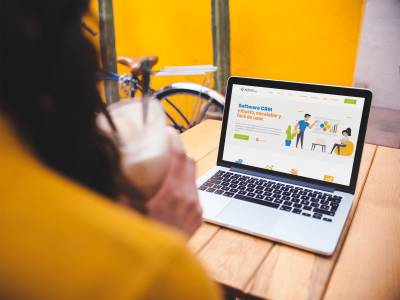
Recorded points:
303,87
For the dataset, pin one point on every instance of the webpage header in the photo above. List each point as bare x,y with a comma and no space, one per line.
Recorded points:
317,98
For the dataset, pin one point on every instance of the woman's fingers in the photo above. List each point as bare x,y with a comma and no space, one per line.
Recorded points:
194,219
177,202
192,215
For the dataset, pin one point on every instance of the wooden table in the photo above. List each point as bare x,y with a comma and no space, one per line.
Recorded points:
365,265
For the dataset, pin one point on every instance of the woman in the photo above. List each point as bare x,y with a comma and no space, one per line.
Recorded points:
346,133
60,175
52,108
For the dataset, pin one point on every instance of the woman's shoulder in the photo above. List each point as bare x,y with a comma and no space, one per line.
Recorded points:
68,227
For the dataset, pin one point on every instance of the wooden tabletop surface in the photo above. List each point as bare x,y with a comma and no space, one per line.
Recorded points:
365,265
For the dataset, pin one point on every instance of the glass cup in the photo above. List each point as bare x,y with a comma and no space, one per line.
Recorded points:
144,147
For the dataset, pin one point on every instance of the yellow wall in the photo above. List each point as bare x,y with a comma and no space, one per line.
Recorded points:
178,32
309,40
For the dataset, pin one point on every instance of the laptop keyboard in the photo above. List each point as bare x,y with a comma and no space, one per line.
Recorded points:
286,197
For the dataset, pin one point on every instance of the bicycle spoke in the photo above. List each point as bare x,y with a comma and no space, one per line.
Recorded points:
176,126
203,113
178,110
186,106
185,109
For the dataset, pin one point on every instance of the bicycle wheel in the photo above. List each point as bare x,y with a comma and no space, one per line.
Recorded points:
188,104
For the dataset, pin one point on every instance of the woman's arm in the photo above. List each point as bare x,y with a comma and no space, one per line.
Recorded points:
183,278
177,202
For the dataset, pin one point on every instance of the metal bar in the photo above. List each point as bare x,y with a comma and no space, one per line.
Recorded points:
88,29
209,79
106,75
107,48
186,70
179,73
204,112
196,67
192,121
221,43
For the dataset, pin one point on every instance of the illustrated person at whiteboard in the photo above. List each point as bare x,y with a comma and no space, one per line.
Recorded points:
301,127
346,133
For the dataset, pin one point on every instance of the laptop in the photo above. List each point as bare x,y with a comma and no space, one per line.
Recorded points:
269,180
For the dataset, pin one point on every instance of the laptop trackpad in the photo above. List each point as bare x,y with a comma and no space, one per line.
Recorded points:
252,217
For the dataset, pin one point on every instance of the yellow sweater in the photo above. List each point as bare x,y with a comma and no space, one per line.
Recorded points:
59,240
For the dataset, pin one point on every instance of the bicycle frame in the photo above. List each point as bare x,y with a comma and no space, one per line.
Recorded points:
130,84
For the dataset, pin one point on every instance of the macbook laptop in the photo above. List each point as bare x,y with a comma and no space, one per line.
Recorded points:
270,181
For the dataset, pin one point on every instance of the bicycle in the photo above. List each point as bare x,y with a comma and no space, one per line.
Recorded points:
208,103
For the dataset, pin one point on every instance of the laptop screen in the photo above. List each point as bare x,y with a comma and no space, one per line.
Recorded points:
306,134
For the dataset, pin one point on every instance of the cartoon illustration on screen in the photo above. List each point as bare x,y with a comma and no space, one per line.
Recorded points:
289,136
326,126
345,144
300,127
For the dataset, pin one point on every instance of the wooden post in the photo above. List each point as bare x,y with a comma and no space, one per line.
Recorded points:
107,48
221,42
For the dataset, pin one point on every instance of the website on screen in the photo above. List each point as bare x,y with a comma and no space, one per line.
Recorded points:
305,134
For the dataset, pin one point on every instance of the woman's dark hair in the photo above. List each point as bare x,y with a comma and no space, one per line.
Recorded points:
348,131
48,90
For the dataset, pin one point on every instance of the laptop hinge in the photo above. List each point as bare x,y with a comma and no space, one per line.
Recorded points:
282,179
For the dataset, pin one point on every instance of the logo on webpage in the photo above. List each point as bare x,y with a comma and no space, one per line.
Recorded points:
248,90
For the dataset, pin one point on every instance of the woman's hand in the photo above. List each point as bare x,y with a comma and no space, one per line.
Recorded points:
177,203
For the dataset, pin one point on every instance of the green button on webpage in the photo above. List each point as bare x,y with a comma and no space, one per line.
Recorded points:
241,137
350,101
